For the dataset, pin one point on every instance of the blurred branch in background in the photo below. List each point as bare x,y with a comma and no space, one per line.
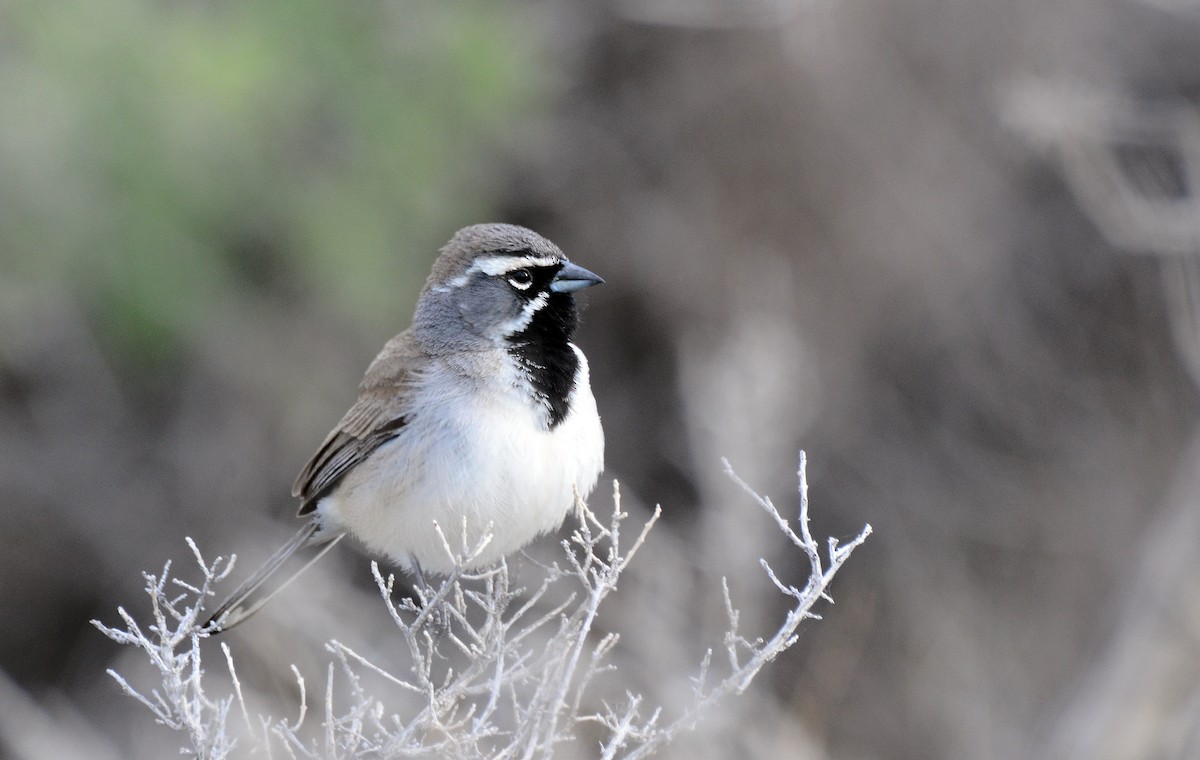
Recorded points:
1140,695
1181,284
1134,167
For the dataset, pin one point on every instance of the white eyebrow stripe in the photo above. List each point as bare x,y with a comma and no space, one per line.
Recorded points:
496,265
455,282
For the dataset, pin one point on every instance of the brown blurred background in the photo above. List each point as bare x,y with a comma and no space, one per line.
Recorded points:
946,247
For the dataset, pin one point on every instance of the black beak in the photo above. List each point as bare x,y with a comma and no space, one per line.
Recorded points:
573,277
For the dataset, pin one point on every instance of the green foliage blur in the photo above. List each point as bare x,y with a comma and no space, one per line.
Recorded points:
161,160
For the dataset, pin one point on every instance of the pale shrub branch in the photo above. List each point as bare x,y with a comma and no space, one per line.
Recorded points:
491,669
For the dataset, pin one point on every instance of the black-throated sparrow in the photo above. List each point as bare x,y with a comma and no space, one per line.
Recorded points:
480,416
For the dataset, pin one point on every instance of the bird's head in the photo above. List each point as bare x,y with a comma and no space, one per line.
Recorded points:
497,283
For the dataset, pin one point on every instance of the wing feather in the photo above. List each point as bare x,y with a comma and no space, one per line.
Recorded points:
378,416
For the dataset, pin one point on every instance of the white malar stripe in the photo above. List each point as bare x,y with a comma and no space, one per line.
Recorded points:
520,322
497,265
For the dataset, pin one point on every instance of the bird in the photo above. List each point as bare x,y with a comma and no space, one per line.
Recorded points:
477,421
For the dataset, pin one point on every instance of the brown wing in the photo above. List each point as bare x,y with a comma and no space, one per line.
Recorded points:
376,417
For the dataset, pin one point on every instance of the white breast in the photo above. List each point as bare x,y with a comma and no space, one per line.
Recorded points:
475,454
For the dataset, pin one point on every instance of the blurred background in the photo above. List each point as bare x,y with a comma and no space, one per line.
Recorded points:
948,247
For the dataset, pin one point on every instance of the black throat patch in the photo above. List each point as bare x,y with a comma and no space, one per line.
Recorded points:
543,350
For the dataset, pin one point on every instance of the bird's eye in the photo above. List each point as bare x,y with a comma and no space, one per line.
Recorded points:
520,279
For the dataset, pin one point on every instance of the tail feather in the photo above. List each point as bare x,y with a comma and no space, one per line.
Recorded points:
242,603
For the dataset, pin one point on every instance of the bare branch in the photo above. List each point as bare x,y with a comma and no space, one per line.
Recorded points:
490,670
